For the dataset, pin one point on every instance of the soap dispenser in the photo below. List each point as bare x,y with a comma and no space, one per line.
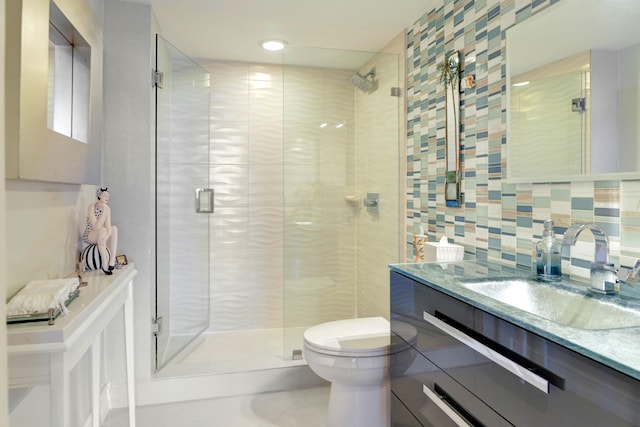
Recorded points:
548,255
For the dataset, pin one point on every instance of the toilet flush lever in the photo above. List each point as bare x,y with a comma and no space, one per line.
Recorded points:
204,200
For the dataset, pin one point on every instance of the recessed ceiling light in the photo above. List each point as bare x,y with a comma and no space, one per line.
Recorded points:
273,44
520,84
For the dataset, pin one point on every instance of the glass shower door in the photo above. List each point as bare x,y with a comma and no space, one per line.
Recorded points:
184,203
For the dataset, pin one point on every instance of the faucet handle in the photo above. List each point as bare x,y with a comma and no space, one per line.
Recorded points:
630,276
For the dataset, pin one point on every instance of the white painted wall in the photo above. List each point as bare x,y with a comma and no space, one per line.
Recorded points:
3,264
129,158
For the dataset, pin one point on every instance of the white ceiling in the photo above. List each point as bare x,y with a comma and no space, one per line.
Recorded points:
232,29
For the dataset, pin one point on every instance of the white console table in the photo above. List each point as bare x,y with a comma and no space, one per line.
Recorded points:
39,353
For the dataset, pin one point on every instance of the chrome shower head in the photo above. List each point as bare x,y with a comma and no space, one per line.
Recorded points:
363,82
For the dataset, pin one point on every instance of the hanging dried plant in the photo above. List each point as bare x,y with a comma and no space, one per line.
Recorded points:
448,69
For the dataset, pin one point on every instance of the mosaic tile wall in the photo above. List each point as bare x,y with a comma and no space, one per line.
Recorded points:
497,221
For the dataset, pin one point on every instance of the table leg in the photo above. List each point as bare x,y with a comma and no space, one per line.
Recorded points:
128,331
59,390
95,380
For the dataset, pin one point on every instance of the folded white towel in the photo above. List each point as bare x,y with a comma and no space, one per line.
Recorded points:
39,296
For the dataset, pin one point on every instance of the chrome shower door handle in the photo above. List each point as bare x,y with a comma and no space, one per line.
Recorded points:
204,200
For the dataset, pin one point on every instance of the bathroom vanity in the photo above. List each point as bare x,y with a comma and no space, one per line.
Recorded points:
481,361
39,353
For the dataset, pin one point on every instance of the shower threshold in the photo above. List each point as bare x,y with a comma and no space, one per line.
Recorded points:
230,352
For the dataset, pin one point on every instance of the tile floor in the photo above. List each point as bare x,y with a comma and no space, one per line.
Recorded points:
296,408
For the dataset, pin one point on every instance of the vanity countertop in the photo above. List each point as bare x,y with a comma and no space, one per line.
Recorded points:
616,348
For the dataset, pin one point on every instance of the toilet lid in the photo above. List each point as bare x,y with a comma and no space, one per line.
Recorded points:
364,337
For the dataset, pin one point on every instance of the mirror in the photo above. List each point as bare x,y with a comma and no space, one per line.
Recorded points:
573,86
449,77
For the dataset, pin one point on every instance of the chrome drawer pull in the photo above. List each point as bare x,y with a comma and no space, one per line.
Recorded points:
453,415
523,373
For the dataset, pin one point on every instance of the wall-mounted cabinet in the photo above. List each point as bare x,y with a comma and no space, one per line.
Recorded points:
54,91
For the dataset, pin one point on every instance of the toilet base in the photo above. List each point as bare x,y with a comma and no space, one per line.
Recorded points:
359,406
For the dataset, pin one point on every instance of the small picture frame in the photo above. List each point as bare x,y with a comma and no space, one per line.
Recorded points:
121,260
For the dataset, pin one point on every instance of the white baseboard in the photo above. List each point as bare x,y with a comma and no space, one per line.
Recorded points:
178,389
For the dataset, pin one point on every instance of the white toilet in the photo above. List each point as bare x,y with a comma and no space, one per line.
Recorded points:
355,355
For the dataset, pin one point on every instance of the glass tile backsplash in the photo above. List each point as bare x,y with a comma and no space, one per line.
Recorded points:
497,221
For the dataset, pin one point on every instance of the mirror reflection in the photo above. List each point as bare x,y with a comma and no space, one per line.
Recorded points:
68,78
574,105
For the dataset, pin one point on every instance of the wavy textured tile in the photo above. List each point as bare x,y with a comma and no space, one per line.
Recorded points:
265,227
230,312
230,183
265,101
266,309
229,143
266,142
229,100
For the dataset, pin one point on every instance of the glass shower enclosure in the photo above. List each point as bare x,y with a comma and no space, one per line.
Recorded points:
293,150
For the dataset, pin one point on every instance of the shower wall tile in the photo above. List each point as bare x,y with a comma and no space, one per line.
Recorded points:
229,229
265,227
497,220
187,146
230,100
185,178
225,70
266,143
189,272
266,72
230,312
229,143
317,300
228,271
230,183
265,101
303,95
266,272
302,143
265,309
265,185
304,185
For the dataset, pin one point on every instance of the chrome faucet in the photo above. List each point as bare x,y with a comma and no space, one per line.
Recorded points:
603,274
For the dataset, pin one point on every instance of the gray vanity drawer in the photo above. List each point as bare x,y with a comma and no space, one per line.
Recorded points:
580,391
437,400
400,414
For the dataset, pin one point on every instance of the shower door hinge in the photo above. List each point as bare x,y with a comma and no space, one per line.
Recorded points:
579,105
156,326
157,79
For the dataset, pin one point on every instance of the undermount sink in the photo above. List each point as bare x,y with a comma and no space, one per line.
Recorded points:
566,307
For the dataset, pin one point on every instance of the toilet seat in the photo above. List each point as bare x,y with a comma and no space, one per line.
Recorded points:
363,337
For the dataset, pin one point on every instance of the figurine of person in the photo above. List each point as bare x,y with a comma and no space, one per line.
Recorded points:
100,232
